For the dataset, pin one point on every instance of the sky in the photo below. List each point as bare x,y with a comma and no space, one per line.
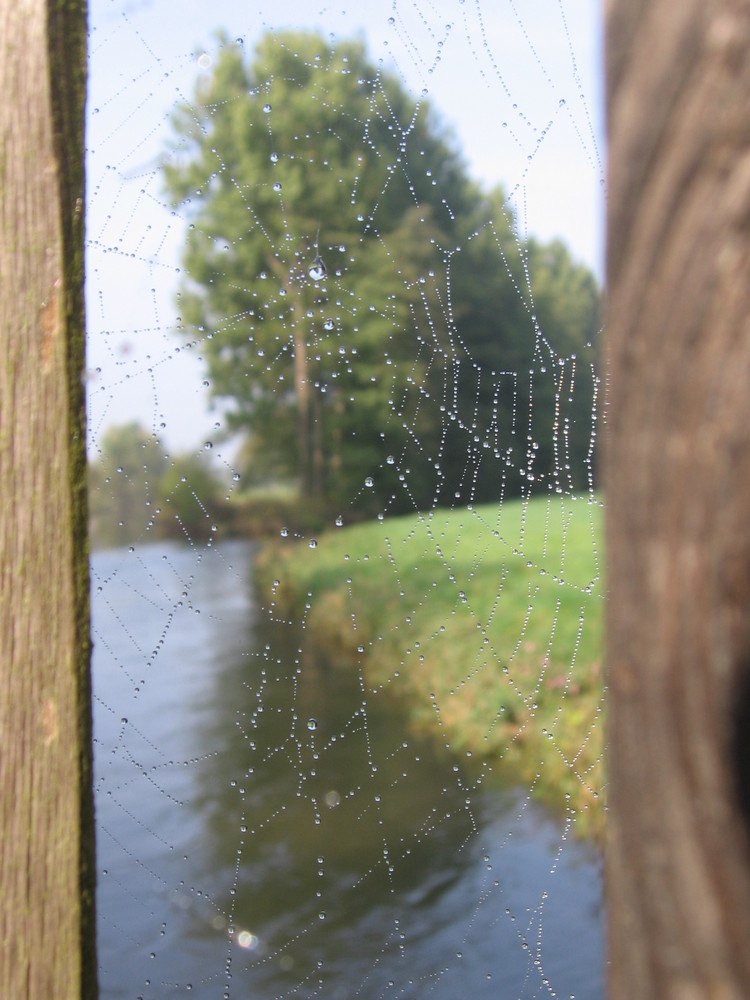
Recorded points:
518,82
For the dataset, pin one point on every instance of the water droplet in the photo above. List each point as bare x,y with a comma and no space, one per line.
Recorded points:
267,108
284,532
274,157
369,482
328,324
277,186
339,521
317,269
208,445
313,543
312,725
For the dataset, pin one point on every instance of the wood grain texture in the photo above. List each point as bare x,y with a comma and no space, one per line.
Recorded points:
46,811
677,477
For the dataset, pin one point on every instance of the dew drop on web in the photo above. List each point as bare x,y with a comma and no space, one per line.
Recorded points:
317,269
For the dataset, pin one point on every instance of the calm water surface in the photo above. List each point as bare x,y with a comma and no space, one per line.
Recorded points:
269,828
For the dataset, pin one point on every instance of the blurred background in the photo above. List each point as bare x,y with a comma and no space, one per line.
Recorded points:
344,285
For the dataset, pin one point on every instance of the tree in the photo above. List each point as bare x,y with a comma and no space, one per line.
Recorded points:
530,316
393,377
47,919
311,154
136,487
190,498
565,302
125,484
678,494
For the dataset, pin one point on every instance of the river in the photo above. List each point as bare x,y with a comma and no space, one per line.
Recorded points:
269,828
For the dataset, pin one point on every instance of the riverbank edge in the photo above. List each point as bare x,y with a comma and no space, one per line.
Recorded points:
534,751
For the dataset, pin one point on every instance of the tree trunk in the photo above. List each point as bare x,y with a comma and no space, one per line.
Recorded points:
309,423
317,452
46,809
302,389
309,433
678,499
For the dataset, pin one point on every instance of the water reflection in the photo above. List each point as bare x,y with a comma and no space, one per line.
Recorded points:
268,827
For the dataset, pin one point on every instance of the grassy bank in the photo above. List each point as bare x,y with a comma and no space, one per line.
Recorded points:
485,622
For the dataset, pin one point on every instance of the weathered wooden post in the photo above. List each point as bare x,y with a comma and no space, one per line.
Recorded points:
46,811
678,499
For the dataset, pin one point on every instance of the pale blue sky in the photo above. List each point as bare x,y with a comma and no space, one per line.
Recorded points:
518,81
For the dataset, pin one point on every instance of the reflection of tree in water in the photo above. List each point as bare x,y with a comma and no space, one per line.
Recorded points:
326,819
470,877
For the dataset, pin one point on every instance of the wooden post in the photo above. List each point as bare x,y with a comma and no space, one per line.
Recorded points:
677,477
47,928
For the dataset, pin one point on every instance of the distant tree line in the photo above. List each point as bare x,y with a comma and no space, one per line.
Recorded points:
370,317
137,492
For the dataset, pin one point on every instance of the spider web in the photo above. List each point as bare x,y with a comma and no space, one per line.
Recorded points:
286,811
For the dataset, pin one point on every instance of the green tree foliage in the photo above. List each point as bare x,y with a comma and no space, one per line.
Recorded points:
123,484
527,319
566,311
352,289
137,490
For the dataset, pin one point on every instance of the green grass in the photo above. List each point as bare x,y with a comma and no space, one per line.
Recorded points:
485,622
